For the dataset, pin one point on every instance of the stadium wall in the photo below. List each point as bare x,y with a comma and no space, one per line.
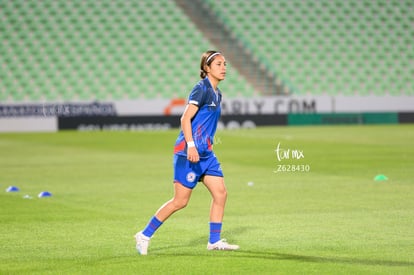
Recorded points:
156,114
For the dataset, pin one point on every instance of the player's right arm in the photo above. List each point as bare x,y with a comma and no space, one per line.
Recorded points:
188,114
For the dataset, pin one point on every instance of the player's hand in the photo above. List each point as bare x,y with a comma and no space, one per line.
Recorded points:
192,154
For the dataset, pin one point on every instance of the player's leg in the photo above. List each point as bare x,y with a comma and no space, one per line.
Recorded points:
180,200
218,191
185,179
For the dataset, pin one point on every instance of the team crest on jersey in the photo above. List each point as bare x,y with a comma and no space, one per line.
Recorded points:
191,177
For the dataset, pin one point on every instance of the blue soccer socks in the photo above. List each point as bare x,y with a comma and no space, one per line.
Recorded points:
215,232
154,224
151,227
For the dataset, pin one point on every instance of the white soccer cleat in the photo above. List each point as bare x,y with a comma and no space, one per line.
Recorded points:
142,243
222,245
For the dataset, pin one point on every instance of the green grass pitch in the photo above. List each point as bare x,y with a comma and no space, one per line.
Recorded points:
333,219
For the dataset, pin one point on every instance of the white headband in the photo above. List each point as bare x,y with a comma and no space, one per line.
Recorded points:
211,56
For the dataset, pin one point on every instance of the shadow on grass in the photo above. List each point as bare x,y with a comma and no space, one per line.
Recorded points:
248,254
268,255
318,259
201,240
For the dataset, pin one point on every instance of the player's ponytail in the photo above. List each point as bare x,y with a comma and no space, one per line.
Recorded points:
206,60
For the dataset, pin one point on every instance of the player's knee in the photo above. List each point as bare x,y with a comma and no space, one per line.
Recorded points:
224,193
220,196
180,204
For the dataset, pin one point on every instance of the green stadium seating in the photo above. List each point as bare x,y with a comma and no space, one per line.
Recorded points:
99,50
102,50
329,35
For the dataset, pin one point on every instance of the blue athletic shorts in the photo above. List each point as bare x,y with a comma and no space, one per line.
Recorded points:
189,174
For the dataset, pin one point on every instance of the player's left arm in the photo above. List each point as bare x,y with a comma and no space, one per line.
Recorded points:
189,113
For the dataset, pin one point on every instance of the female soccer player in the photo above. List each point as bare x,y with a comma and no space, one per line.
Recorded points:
194,159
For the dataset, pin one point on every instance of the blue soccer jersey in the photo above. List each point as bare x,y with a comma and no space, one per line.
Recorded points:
204,123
